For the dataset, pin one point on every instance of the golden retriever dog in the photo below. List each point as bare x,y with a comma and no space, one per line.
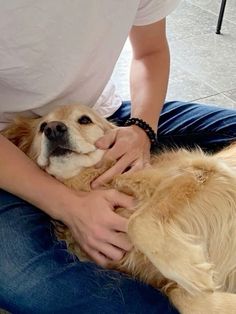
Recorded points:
183,228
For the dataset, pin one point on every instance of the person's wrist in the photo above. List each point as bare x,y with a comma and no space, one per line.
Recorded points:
62,203
145,128
141,133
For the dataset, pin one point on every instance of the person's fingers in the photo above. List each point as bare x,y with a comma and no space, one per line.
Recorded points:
108,175
112,154
98,257
111,252
107,252
120,240
119,223
119,199
138,165
115,153
106,140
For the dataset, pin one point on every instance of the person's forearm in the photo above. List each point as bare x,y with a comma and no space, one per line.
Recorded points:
148,83
22,177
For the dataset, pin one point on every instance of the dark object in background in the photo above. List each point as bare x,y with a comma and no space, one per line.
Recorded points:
221,16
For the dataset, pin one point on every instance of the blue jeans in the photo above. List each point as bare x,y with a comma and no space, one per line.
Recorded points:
38,275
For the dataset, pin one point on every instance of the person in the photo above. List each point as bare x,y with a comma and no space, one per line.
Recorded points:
60,52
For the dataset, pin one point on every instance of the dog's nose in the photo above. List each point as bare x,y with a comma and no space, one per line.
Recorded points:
55,130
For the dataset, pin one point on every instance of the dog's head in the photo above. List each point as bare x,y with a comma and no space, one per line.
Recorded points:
62,142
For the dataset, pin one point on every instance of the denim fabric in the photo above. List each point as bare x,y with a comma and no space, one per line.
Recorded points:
183,124
38,275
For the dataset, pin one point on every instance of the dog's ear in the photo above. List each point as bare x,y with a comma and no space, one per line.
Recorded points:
21,132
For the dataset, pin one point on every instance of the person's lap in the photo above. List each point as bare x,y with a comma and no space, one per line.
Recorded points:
38,275
183,124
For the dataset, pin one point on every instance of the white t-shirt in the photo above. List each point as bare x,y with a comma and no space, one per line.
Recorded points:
56,52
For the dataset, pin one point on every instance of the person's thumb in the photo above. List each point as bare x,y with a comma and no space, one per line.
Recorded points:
107,140
122,200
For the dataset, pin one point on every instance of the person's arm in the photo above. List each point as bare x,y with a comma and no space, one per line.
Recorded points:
148,83
22,177
90,216
149,71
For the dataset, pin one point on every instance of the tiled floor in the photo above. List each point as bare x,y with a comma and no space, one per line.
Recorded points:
203,64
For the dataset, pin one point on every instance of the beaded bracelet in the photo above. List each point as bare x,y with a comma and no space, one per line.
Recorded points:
145,127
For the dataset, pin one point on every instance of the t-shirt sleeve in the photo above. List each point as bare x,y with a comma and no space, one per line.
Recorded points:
151,11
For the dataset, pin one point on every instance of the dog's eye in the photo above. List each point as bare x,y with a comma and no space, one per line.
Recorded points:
42,127
84,120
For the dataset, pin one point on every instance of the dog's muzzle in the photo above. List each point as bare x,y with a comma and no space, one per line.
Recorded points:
56,133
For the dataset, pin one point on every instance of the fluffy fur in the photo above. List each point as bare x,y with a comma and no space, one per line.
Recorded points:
184,225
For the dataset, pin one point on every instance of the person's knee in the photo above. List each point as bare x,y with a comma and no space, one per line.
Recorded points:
38,275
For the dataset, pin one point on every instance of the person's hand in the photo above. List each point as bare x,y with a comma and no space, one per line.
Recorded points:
100,232
129,147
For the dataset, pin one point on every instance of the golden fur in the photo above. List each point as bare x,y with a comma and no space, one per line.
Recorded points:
184,225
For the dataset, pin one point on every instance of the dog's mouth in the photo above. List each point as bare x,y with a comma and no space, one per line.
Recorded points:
63,152
59,148
60,151
54,151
